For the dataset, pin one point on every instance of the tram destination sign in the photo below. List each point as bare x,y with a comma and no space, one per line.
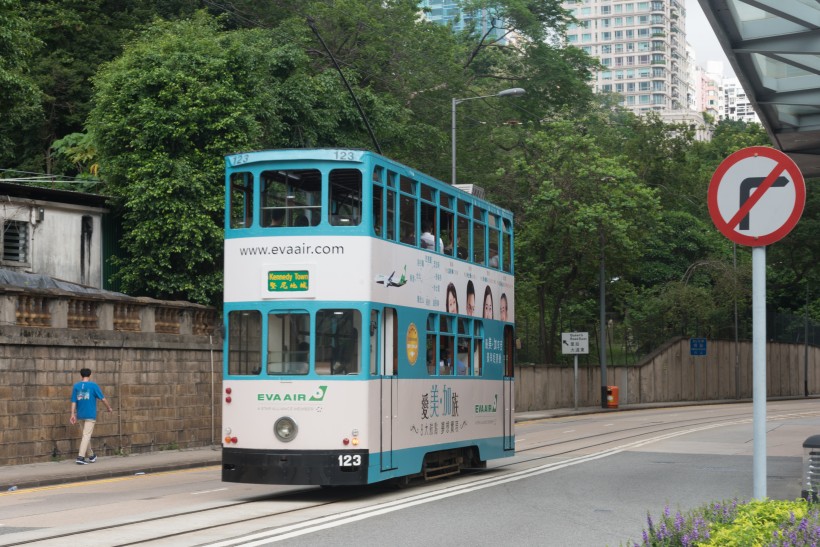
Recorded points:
288,281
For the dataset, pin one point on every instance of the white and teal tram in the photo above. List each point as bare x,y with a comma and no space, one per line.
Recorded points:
368,316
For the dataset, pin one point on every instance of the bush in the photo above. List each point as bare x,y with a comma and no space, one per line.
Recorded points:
736,524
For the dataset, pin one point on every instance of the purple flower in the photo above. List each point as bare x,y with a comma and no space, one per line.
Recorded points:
679,522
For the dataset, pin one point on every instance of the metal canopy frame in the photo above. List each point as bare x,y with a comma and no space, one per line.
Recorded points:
774,49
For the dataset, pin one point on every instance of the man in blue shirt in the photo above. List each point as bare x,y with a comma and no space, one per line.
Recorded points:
84,397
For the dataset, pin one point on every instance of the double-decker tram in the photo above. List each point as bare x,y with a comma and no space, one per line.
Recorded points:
368,316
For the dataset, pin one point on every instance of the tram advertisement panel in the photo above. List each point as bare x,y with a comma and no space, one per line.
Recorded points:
354,268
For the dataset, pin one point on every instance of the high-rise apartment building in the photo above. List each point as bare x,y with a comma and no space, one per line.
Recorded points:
736,105
642,47
445,11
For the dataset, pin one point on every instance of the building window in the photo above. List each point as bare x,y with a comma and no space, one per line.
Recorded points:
15,241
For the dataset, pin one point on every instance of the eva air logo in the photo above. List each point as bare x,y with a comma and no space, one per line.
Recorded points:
316,397
319,394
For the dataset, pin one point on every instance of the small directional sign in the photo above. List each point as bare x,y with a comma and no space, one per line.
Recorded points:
697,346
574,343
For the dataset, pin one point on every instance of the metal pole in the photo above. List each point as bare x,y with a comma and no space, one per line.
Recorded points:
737,337
806,346
453,142
575,368
759,369
602,296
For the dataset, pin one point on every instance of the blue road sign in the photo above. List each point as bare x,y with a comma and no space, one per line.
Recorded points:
697,346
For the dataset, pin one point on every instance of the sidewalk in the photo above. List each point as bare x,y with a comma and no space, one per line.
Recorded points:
49,473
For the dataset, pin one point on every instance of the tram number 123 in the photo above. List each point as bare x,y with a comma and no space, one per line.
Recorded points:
350,460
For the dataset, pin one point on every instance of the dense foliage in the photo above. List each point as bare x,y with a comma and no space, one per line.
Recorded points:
146,97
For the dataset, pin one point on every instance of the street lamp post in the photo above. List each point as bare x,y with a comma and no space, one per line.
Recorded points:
506,93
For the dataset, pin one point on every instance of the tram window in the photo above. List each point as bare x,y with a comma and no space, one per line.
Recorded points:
407,185
429,239
407,220
464,343
291,198
432,346
428,194
375,349
447,349
345,197
431,354
463,238
506,261
244,342
478,243
391,215
288,344
378,192
447,231
494,242
241,206
509,349
338,344
378,174
478,346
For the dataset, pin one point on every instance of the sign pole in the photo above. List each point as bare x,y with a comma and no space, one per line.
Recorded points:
755,198
576,381
759,369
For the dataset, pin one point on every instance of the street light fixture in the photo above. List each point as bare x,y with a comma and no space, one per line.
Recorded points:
506,93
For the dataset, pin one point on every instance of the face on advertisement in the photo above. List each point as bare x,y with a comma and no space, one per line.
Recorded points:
488,303
452,299
502,307
470,298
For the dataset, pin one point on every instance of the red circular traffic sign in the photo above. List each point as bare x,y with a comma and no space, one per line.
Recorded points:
756,196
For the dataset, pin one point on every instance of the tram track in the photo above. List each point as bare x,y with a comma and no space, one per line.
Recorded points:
301,518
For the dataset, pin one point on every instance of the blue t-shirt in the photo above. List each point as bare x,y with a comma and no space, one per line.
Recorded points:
85,394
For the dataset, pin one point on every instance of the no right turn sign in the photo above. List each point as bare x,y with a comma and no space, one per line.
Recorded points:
756,196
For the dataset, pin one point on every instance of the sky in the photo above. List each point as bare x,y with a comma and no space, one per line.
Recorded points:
699,33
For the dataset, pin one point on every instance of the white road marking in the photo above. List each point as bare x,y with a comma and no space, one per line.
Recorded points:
332,521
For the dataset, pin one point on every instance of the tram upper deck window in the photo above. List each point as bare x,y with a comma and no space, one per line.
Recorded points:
506,262
345,197
407,211
244,342
478,235
288,343
463,238
241,195
493,241
446,222
338,344
291,197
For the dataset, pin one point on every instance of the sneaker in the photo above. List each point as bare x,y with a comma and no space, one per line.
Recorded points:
92,459
81,461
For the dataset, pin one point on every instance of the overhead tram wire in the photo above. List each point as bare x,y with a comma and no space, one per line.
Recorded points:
310,22
240,17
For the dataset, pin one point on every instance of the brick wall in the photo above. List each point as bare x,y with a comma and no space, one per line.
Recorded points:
161,385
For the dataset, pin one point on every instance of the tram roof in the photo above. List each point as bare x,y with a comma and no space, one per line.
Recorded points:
331,154
774,49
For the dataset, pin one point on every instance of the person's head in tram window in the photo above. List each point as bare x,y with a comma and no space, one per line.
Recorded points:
488,303
470,302
452,299
502,307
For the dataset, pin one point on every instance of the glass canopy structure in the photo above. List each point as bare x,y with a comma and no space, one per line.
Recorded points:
774,48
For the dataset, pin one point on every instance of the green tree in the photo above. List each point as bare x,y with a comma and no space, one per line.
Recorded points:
19,94
164,114
581,201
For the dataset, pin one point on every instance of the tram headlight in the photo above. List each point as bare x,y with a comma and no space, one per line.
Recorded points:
285,429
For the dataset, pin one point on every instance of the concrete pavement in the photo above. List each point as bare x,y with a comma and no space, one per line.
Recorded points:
66,471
